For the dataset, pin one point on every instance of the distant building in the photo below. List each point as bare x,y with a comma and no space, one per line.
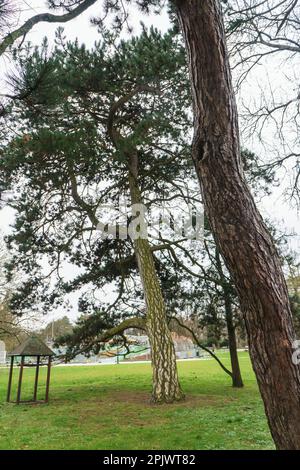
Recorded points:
140,350
184,347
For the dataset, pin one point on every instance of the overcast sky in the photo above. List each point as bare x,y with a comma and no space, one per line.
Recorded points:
273,207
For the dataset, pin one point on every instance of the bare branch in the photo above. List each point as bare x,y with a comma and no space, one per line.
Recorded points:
43,17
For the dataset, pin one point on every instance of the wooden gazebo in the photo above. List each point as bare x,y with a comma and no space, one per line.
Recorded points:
33,347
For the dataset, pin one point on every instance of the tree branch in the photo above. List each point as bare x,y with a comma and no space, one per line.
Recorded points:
43,17
182,325
135,322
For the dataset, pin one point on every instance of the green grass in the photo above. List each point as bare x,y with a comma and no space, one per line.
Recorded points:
107,407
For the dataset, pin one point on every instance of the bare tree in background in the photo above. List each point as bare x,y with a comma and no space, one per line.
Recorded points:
9,10
13,329
267,33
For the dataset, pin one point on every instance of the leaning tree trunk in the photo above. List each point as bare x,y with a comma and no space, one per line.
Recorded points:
165,384
235,365
242,237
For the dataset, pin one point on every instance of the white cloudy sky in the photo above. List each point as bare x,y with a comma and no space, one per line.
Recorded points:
273,207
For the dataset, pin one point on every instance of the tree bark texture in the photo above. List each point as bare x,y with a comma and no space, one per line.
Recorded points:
242,237
166,386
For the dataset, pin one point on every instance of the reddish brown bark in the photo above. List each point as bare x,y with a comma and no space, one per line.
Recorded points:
241,235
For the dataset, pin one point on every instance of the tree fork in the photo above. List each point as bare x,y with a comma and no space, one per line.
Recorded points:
242,237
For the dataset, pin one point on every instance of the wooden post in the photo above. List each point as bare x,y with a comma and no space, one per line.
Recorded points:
36,378
48,380
20,380
10,378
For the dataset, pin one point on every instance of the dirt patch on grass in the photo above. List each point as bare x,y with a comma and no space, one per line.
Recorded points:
134,408
143,398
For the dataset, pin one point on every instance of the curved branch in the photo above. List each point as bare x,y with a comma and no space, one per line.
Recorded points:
201,345
43,17
115,136
135,322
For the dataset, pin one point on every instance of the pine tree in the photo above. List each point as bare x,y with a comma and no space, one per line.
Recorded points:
101,123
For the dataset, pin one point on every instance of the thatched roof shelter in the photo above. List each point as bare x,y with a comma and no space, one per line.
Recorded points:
32,346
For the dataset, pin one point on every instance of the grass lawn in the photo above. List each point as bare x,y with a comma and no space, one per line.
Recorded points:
107,407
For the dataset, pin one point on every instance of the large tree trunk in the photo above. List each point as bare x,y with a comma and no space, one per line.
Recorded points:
166,387
235,365
242,237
